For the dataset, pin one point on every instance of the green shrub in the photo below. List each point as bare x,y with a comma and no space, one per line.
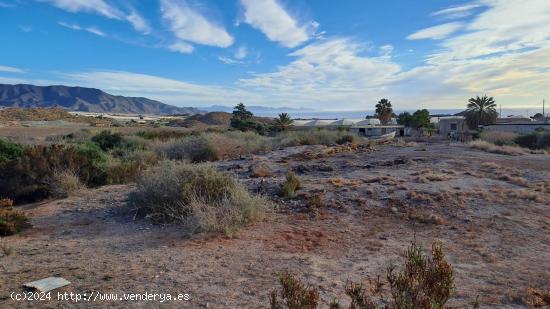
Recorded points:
107,140
162,135
425,282
9,151
31,177
11,221
539,139
291,184
196,196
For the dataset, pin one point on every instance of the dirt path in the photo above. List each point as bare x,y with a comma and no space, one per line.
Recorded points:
498,241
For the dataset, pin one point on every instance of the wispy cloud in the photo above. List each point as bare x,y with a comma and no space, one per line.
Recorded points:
94,6
76,27
189,26
457,11
159,88
11,69
241,53
25,28
105,9
181,47
7,5
436,32
271,18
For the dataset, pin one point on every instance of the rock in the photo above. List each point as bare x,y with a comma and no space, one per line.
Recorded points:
394,210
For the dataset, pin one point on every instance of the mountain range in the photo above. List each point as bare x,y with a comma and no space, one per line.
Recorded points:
84,100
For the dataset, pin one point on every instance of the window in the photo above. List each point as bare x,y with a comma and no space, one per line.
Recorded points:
454,126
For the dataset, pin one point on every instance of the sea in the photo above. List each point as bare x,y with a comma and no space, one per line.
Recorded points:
310,114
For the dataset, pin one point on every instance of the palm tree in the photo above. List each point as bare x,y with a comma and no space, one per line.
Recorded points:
384,110
481,111
283,122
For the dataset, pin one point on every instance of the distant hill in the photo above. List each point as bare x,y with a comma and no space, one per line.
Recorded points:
83,99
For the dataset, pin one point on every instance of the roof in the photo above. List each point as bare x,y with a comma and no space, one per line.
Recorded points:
368,122
344,122
317,123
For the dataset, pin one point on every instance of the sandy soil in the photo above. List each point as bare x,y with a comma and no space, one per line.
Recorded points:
491,212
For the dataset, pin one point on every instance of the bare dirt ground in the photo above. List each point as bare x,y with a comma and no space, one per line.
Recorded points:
358,210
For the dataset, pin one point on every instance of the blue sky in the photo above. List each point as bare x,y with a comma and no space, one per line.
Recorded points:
317,54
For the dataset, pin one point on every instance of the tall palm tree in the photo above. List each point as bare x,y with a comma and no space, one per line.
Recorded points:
283,122
384,110
481,111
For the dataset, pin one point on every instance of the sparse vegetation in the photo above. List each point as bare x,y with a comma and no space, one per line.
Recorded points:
195,196
290,186
504,150
11,220
424,282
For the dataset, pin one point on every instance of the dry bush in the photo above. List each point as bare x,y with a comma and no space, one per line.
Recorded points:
65,183
340,182
310,137
425,217
490,165
290,186
525,195
504,150
425,282
6,249
502,138
195,196
520,181
537,298
196,148
246,143
294,294
384,180
11,220
260,170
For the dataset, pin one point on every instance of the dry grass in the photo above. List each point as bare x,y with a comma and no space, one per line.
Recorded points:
260,170
66,183
340,182
197,197
11,220
492,148
498,137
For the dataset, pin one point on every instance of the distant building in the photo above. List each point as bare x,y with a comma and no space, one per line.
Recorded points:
452,125
513,119
520,128
373,128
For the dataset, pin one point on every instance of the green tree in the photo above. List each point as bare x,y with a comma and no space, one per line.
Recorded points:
384,110
481,111
283,122
242,118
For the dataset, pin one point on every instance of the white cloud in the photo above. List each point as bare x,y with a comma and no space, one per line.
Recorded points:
270,17
105,9
76,27
228,60
436,32
190,26
457,11
325,73
95,6
95,31
181,47
70,26
138,22
11,69
241,52
158,88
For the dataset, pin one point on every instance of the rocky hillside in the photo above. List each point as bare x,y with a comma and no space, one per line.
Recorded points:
83,99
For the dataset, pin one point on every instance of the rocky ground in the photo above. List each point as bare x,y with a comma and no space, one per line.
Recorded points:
358,209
